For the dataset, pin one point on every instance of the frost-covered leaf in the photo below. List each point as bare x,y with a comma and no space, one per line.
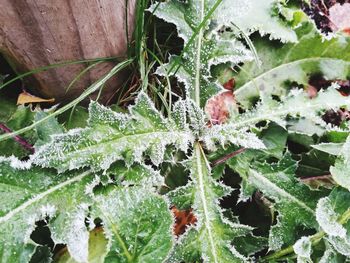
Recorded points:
302,249
18,118
293,63
341,169
209,45
207,48
331,256
328,218
295,104
330,148
294,202
210,240
28,196
46,129
97,249
333,213
254,15
226,133
137,224
112,136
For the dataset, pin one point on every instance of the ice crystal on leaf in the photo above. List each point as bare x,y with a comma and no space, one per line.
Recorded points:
206,46
303,250
112,136
106,170
210,239
294,201
294,104
142,232
293,63
341,169
28,196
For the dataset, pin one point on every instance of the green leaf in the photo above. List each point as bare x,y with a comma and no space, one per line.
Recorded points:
97,249
333,213
295,104
226,133
341,170
112,136
294,202
136,174
331,256
254,15
7,107
75,118
211,239
199,23
292,63
137,224
21,117
47,129
330,148
275,139
28,196
302,249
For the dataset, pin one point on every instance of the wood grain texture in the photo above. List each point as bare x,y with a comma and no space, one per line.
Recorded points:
36,33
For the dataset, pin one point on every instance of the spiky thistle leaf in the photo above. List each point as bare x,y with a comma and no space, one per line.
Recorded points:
211,239
199,23
28,196
333,214
295,104
294,202
112,136
289,63
341,169
137,223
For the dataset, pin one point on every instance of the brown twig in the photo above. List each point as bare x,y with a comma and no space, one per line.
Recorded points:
227,157
26,145
320,177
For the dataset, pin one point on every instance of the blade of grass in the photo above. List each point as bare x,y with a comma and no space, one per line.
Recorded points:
61,64
85,94
81,74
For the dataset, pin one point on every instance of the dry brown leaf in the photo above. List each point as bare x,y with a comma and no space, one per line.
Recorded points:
183,219
339,15
26,97
220,106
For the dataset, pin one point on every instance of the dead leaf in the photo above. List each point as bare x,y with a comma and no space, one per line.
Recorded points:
183,219
339,16
311,91
330,15
26,97
230,84
220,106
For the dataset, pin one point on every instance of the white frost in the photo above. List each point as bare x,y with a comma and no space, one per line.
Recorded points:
327,218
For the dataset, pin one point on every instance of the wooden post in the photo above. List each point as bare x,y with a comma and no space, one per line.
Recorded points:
36,33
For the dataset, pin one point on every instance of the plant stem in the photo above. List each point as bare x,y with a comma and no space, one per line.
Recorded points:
26,145
227,157
314,240
94,87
